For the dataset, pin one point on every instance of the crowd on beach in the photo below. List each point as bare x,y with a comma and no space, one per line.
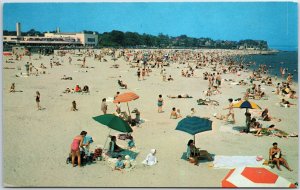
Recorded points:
146,62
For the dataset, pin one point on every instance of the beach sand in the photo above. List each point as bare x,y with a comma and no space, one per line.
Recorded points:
37,143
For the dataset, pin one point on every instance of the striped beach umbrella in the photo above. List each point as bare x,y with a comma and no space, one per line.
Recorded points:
246,104
254,177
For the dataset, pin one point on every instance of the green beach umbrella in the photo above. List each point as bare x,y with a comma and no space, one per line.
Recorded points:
113,122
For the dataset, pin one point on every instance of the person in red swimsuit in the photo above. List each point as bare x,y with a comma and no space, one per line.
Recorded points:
75,147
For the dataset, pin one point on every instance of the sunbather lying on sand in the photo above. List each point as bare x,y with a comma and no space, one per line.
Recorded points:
286,103
274,132
180,96
292,95
12,88
207,102
266,116
66,78
68,90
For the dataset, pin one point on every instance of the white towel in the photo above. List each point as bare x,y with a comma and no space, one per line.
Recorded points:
230,162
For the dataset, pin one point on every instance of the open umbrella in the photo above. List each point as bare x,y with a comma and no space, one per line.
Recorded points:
194,125
254,177
113,122
246,104
126,97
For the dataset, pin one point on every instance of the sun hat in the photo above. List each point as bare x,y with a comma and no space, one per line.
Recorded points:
152,151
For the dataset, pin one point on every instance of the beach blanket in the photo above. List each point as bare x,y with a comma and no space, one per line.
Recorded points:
230,162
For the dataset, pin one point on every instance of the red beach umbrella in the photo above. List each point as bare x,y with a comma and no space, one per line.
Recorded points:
254,177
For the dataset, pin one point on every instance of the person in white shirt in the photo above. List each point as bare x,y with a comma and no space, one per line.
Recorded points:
151,158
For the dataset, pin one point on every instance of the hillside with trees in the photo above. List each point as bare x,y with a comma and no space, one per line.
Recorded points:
117,38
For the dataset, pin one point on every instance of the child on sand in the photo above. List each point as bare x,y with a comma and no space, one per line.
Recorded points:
131,143
119,164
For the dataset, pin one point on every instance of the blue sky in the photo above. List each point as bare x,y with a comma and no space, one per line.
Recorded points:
275,22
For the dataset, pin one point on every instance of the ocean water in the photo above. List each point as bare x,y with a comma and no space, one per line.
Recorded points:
284,59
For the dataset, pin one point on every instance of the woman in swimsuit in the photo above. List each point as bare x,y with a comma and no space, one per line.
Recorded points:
275,156
75,150
37,99
231,112
160,103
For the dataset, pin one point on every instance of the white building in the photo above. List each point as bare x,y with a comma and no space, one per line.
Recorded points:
58,38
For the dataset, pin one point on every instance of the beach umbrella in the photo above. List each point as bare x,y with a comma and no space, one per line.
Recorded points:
113,122
254,177
126,97
194,125
246,104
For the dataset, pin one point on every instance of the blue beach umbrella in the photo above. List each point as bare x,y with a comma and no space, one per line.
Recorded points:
194,125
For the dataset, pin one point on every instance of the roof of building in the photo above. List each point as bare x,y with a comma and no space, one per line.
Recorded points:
66,33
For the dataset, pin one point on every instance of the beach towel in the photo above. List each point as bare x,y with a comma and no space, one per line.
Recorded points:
230,162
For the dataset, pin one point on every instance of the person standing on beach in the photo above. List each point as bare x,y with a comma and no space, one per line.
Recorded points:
231,112
83,62
70,60
75,147
218,79
139,74
27,68
160,103
143,74
104,106
38,99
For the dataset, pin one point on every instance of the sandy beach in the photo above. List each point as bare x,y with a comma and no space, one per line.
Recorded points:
36,143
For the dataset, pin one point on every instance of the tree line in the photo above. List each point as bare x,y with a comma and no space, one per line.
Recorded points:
117,38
